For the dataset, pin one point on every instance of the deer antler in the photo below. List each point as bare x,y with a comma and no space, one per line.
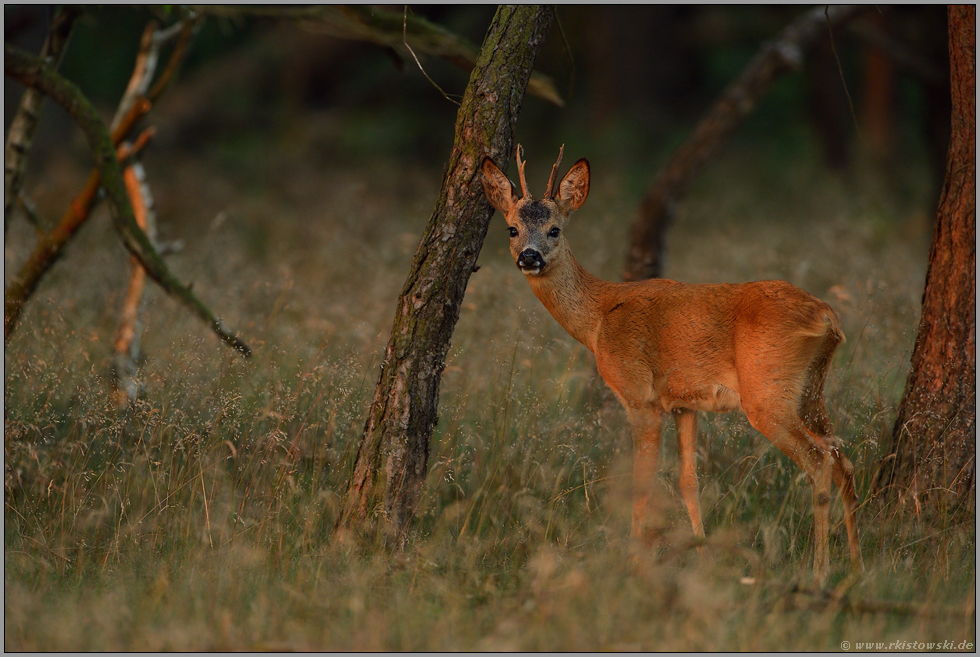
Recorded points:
520,170
554,171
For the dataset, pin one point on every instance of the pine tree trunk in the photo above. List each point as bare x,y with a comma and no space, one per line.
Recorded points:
934,439
390,469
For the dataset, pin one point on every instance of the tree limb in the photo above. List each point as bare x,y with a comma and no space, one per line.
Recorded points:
51,244
33,72
127,343
383,27
22,126
737,102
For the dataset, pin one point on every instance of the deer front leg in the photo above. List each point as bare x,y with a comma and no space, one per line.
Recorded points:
646,424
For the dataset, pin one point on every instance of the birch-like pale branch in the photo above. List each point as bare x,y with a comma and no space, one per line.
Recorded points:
21,132
33,72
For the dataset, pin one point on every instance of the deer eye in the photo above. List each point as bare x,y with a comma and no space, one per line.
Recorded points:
513,231
553,232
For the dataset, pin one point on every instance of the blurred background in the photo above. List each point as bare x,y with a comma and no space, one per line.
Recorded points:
299,170
635,79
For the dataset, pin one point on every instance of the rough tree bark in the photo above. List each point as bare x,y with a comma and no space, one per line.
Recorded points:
390,469
934,439
644,258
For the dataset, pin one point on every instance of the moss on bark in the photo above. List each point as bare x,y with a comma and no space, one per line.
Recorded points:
390,469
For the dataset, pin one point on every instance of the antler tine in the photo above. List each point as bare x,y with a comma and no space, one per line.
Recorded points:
520,170
554,172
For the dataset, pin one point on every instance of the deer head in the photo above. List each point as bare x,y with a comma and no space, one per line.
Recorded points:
535,227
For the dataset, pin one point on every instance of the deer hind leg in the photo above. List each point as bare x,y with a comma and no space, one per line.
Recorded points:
646,424
844,480
687,436
813,412
788,433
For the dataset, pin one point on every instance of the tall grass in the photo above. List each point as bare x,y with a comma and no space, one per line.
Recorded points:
201,519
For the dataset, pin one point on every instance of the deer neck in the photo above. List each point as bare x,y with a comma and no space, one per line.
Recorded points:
572,296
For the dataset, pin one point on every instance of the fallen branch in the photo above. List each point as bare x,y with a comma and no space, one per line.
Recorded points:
33,72
22,126
822,600
738,101
384,28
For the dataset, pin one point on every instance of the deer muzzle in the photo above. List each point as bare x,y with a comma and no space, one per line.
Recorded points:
530,261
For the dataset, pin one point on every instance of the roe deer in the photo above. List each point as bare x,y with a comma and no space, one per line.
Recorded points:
666,347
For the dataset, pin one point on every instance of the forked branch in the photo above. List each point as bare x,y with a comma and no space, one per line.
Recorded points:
51,244
33,72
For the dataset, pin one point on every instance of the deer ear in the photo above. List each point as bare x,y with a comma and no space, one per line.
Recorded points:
574,187
497,187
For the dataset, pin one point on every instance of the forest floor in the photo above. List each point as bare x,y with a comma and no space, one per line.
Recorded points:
201,518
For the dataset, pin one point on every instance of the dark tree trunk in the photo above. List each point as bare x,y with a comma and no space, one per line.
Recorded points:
934,439
878,107
827,104
645,255
390,469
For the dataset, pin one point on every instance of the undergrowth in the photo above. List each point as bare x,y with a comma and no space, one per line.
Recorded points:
202,517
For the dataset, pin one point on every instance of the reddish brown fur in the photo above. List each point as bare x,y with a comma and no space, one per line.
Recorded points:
673,348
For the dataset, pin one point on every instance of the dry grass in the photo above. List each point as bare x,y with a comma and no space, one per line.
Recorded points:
201,519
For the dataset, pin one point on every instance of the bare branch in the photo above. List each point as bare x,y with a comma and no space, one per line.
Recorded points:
417,62
384,28
51,245
22,127
33,72
187,28
737,101
143,70
127,343
147,58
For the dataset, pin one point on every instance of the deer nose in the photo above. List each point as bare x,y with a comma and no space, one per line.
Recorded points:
530,259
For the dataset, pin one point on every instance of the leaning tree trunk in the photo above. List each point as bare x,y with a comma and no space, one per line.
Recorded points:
644,259
934,439
390,469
